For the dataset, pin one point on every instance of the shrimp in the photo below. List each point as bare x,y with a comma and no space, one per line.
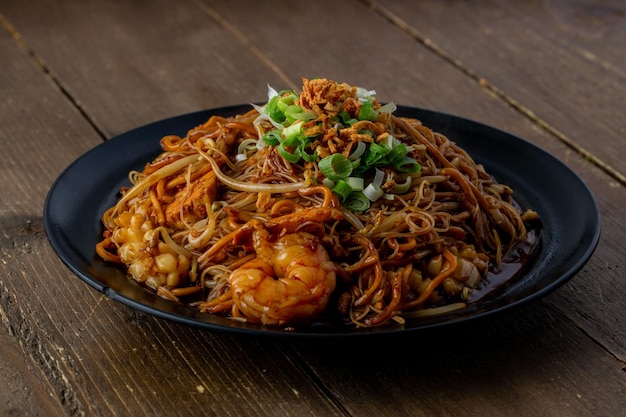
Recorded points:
290,280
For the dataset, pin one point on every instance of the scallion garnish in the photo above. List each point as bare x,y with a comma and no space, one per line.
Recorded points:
343,190
335,167
408,165
360,149
289,157
403,187
346,119
304,144
273,111
278,104
367,112
292,131
373,192
295,112
345,176
375,154
357,201
356,183
272,138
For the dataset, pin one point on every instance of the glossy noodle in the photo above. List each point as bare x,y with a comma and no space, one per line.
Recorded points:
319,205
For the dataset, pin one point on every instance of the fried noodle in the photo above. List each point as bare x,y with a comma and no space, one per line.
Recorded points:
240,219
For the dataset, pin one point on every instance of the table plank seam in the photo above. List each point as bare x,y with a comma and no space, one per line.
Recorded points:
47,72
319,383
214,14
495,91
38,350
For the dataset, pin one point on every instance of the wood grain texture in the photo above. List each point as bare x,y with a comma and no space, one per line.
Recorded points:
24,389
31,381
81,72
560,62
520,364
146,60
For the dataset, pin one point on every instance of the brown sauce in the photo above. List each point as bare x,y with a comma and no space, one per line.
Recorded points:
514,265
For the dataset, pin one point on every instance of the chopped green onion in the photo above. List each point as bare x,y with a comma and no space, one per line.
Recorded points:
391,141
408,165
357,201
342,189
388,108
278,104
272,138
271,92
285,102
379,177
335,167
360,149
292,131
295,112
330,184
293,141
289,157
396,154
367,132
273,111
347,119
364,93
356,183
404,187
303,153
367,112
373,192
375,153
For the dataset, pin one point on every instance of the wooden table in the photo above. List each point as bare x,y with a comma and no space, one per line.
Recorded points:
74,74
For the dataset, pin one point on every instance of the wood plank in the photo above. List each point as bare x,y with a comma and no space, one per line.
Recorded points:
561,62
139,66
24,389
517,365
28,171
30,383
117,360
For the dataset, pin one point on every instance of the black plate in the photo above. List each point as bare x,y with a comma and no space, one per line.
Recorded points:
569,214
